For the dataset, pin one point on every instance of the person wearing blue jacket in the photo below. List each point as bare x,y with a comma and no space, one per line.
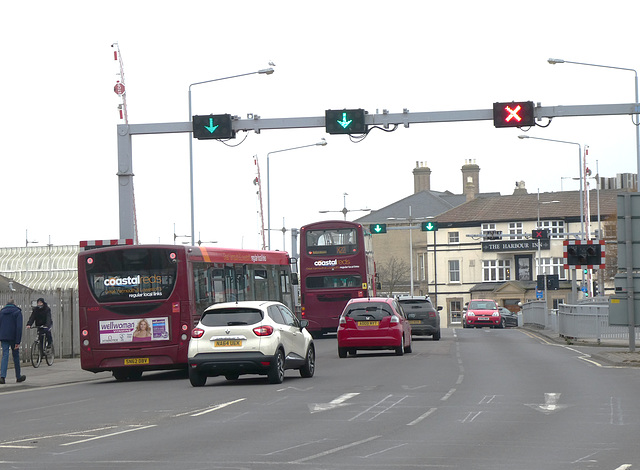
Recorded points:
10,337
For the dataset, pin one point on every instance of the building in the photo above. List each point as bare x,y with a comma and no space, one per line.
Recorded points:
483,246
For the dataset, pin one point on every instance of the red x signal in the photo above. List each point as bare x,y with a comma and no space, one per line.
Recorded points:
513,114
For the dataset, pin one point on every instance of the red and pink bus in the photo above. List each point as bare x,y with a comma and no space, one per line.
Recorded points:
139,303
336,264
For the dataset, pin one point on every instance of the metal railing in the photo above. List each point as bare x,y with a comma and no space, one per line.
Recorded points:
585,320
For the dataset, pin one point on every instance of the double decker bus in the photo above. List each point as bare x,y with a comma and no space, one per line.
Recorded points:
336,264
139,303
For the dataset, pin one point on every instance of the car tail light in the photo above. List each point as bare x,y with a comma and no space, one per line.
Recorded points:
197,333
394,319
264,330
432,314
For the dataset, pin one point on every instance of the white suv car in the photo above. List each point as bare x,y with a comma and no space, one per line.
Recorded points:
255,337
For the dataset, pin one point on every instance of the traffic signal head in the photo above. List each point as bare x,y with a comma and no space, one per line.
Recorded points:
213,126
429,226
378,228
540,234
584,255
346,121
514,114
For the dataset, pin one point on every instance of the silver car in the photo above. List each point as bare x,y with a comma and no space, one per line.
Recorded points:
255,337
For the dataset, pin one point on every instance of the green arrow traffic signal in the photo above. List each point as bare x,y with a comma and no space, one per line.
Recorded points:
213,126
429,226
378,228
345,121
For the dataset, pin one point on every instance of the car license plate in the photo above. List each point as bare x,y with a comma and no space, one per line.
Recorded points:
136,361
368,323
227,343
415,322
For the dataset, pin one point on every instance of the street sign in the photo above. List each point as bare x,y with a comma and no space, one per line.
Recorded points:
213,126
429,226
378,228
346,121
513,114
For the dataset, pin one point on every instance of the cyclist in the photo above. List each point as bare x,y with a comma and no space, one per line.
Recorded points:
41,316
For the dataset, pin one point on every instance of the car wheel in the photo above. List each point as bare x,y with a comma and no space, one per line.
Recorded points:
400,349
231,376
309,367
436,335
196,378
352,351
503,323
408,349
342,353
276,372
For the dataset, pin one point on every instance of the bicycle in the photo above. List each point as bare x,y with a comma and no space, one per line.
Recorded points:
39,350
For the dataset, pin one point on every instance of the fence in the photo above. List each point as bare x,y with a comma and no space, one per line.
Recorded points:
585,320
64,313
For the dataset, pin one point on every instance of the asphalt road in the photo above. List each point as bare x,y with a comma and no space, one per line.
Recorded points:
476,399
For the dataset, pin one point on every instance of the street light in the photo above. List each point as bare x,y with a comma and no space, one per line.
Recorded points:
580,165
322,143
636,122
268,71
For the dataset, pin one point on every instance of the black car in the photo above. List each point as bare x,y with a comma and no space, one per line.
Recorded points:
508,317
422,315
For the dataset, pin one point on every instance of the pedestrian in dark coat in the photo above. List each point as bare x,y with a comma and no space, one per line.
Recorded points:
10,337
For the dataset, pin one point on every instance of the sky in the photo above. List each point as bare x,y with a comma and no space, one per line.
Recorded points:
58,128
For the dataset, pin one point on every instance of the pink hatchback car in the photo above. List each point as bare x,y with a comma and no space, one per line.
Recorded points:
373,323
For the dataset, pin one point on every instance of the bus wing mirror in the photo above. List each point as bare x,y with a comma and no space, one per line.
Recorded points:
294,279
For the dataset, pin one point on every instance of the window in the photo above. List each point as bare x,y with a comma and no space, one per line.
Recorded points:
496,270
421,275
555,227
489,232
454,237
454,270
455,310
515,228
553,266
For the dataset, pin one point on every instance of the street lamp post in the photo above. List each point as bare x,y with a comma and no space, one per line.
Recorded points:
268,71
636,122
580,165
322,143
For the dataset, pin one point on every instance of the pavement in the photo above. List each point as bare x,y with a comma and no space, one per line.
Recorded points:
68,370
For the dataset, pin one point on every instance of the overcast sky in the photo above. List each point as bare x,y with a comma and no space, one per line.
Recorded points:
58,140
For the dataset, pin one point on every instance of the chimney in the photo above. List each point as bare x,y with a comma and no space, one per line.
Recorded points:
470,179
421,177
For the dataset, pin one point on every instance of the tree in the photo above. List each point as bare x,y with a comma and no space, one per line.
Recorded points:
395,271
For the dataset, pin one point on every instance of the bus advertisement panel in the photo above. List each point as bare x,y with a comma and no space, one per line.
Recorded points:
336,264
139,303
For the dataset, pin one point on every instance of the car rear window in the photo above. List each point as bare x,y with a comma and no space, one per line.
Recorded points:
231,316
374,310
416,305
482,306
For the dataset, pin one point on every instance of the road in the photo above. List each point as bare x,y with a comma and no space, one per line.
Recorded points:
476,399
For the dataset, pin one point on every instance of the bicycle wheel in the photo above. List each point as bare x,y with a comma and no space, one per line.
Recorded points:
36,354
48,355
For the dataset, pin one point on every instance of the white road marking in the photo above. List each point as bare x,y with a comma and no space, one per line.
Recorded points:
382,451
336,449
335,403
471,416
208,409
109,435
550,404
421,417
448,395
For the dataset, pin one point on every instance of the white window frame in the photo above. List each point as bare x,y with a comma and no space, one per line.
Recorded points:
556,227
516,228
453,270
496,270
553,266
454,238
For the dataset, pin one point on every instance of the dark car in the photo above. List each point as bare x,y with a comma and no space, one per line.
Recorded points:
422,315
509,318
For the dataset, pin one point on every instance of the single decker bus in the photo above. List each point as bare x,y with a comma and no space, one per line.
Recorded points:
139,303
336,264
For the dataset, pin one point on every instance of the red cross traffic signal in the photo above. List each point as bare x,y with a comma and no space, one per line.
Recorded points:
513,114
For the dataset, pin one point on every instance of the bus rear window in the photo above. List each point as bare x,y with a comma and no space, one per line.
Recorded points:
131,275
338,241
333,282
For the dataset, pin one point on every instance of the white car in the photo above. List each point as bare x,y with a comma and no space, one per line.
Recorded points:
254,337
